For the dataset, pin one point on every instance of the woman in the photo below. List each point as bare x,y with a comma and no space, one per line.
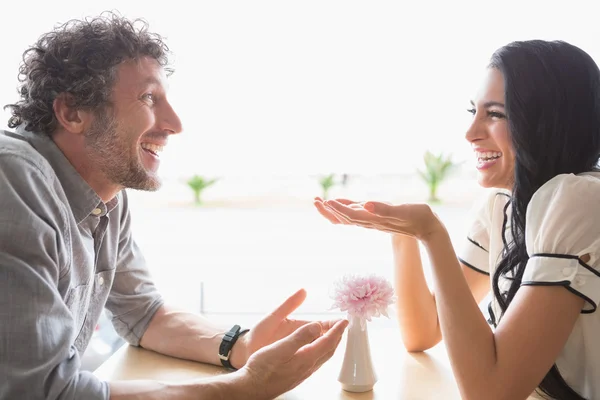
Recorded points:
535,242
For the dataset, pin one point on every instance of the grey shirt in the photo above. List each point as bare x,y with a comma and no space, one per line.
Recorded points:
64,256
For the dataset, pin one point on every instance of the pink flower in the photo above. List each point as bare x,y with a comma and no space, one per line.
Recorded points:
363,297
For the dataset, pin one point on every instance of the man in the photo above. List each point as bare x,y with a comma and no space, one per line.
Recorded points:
92,120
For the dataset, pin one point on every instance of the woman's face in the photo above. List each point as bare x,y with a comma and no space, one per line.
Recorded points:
489,135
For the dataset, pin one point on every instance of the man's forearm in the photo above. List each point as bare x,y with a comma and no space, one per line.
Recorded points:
183,335
229,386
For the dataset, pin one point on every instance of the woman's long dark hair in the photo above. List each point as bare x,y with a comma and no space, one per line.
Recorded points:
552,102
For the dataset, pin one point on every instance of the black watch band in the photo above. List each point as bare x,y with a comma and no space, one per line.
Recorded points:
227,344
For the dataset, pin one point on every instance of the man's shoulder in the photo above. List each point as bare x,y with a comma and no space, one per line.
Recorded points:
27,181
19,156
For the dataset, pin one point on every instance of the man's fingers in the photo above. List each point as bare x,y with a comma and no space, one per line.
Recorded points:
325,324
326,356
328,324
331,351
301,337
290,304
326,343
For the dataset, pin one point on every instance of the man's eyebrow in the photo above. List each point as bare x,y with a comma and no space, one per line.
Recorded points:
489,104
154,83
150,81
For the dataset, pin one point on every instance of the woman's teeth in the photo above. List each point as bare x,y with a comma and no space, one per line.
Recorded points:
488,155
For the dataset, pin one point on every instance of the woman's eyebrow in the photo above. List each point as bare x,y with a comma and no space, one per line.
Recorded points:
489,104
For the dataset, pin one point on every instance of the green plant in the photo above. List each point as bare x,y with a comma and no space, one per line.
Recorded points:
198,184
327,182
437,168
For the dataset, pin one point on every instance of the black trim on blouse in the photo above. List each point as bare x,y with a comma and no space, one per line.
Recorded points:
566,285
570,257
477,244
473,267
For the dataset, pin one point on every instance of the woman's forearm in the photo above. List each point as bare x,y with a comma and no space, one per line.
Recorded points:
416,309
469,340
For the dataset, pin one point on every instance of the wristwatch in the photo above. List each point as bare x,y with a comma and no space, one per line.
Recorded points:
227,344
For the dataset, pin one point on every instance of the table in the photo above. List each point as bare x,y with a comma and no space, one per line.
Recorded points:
401,375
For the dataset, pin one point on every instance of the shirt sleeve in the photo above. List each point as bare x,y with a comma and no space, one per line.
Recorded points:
133,299
562,226
38,359
476,245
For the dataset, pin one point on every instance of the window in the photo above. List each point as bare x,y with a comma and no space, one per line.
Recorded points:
274,94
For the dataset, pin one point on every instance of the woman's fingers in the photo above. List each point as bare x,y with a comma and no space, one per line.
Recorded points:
354,214
326,213
385,217
340,216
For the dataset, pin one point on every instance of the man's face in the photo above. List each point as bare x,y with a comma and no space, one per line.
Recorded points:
124,142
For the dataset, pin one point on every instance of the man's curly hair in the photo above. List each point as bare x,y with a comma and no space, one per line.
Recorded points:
79,58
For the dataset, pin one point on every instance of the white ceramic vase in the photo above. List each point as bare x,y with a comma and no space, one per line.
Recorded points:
357,373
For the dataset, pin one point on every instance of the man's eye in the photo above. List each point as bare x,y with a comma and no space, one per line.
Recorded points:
471,111
149,96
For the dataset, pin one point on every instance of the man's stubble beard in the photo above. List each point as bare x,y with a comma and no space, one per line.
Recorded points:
112,155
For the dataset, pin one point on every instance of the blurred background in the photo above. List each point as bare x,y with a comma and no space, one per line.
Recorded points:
283,101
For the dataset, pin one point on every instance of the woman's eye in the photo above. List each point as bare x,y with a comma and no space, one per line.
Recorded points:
496,114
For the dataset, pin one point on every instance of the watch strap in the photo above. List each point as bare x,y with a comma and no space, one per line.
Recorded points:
227,344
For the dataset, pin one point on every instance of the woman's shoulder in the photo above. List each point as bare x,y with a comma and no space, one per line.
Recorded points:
573,195
490,199
566,186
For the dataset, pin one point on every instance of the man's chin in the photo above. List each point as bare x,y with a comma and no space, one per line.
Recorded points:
154,188
150,184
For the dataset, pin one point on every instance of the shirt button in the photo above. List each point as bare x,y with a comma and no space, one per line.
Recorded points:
567,271
96,211
580,281
101,281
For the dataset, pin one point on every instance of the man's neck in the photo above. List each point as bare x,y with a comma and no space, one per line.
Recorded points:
74,149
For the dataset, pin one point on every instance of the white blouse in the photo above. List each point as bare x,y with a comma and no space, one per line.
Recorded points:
562,224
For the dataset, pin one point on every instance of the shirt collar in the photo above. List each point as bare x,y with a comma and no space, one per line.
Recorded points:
82,198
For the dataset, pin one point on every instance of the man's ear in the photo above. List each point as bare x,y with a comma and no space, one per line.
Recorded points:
69,118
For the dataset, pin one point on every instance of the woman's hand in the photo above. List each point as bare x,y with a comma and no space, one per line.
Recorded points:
330,214
416,220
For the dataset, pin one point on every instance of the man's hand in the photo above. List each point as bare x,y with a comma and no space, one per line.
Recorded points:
283,365
270,329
